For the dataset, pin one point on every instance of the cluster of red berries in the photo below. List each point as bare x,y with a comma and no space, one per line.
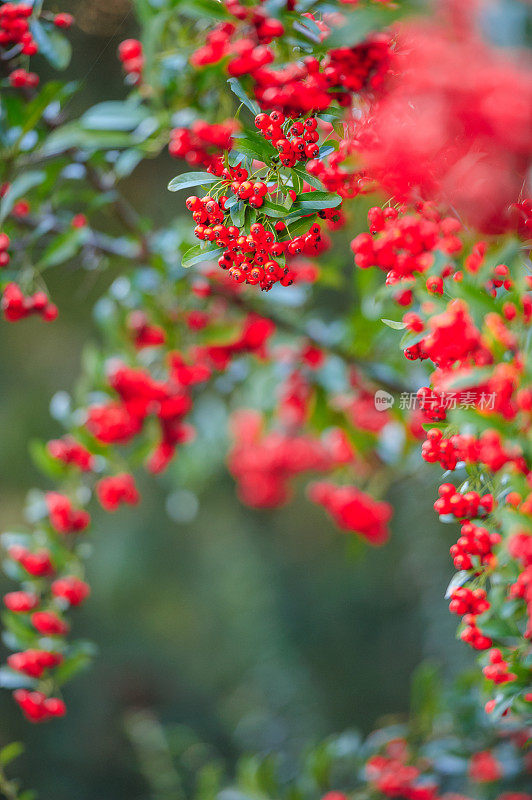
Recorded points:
202,143
264,463
468,601
22,79
303,141
314,86
498,670
474,546
246,53
472,635
391,775
71,452
38,564
34,662
487,449
354,510
453,337
338,178
4,246
70,589
140,397
17,306
251,258
37,707
143,332
64,518
131,56
404,244
463,506
15,29
117,489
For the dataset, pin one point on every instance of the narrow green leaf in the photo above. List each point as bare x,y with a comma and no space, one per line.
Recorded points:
397,326
189,179
113,116
196,254
62,248
238,89
18,188
55,47
10,752
238,214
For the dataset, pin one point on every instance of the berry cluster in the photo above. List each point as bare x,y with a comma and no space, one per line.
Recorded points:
117,489
131,56
474,546
354,510
256,258
16,306
71,452
498,669
21,79
144,333
202,143
336,173
4,246
64,518
38,564
468,601
264,463
404,244
15,29
303,141
465,505
37,707
34,662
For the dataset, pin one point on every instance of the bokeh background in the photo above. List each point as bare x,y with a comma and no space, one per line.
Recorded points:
258,631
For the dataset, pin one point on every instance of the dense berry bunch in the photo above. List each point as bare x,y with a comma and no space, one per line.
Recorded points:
479,148
16,306
296,142
15,29
354,510
264,463
202,143
404,244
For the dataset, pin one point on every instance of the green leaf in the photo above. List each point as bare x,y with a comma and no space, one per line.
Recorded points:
252,144
44,461
10,752
425,696
73,136
238,89
196,254
208,9
52,45
397,326
18,188
310,179
189,179
238,214
74,663
113,116
457,580
274,210
63,248
316,201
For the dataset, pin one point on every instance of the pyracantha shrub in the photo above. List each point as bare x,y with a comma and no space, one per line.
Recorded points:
294,118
